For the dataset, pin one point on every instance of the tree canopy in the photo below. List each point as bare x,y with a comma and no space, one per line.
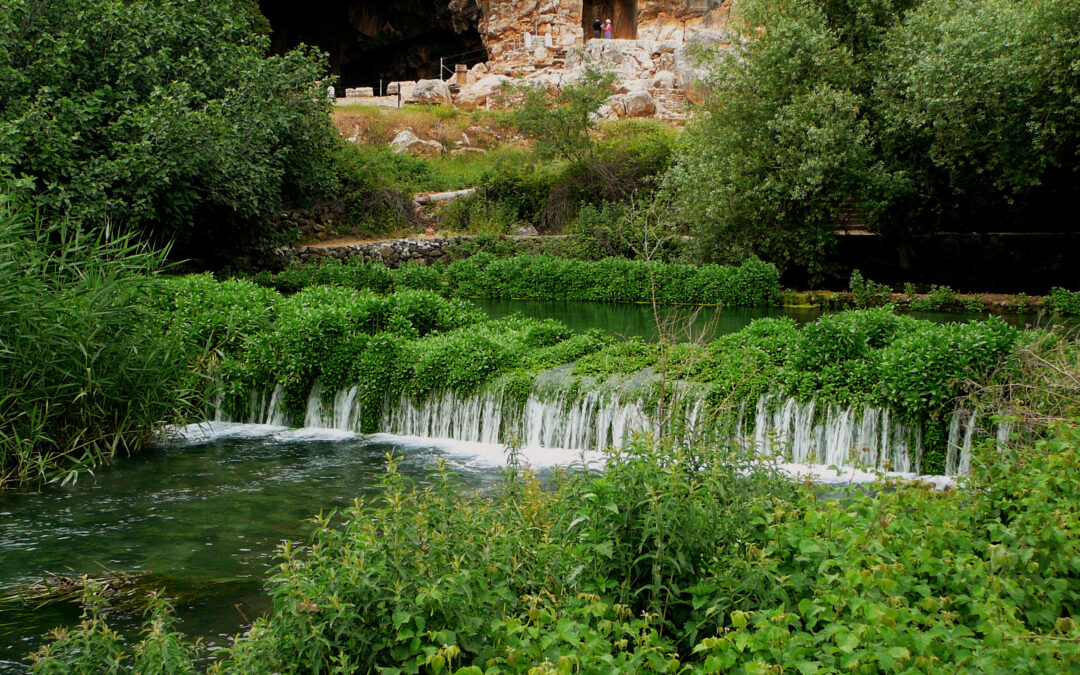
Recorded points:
918,116
162,115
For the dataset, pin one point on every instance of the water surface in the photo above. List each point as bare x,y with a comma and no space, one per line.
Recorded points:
202,519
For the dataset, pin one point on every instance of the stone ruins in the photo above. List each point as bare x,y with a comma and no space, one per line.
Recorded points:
551,42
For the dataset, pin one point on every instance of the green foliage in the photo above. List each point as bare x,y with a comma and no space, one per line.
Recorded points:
911,115
866,292
1066,303
519,189
477,215
212,317
979,112
165,116
92,647
940,298
85,369
613,280
415,275
355,273
561,122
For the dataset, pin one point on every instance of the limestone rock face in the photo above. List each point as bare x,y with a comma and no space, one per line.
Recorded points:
688,57
474,95
431,91
639,104
407,141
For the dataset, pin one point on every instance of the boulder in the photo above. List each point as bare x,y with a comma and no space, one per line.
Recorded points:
634,104
639,104
527,231
407,141
665,79
474,95
431,92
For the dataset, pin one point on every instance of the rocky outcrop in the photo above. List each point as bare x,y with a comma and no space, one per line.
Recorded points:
478,93
691,57
407,141
431,92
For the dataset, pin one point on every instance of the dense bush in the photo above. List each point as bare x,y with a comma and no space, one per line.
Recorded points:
167,116
674,561
613,280
1066,303
546,277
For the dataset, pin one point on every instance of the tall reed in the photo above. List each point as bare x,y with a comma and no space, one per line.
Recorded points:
86,371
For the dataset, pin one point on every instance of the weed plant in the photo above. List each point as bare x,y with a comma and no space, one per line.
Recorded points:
1064,302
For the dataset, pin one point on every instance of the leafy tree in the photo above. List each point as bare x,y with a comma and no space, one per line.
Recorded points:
562,121
783,145
979,112
163,115
919,115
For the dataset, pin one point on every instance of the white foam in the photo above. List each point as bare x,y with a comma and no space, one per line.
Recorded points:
844,475
204,432
314,434
495,454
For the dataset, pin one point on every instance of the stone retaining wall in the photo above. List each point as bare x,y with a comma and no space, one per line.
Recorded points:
396,252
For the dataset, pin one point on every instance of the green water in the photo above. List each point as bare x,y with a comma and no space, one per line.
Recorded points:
639,321
202,521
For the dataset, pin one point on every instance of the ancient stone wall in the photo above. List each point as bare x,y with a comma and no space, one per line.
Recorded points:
396,252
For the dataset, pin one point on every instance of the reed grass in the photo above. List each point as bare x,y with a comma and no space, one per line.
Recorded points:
86,372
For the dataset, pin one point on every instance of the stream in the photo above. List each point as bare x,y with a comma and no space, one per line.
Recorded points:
201,514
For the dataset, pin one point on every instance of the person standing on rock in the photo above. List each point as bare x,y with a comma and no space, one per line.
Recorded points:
596,27
607,29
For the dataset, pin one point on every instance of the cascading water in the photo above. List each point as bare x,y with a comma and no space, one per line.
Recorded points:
836,436
564,411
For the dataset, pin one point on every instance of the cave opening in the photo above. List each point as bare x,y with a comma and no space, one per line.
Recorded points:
623,15
367,40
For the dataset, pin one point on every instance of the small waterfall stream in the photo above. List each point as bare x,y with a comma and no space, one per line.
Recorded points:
563,411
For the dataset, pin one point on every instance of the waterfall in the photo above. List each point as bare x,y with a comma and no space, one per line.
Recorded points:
800,432
581,413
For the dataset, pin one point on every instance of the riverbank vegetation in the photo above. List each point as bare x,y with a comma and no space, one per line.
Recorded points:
85,373
670,560
483,275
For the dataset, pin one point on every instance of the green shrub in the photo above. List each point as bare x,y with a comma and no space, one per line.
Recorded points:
613,280
868,293
355,273
1066,303
193,147
416,276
